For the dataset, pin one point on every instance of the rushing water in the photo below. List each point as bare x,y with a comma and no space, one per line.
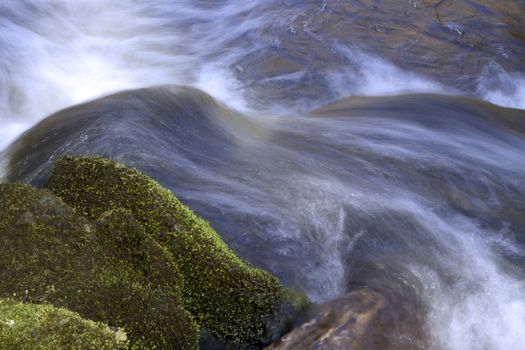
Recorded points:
420,197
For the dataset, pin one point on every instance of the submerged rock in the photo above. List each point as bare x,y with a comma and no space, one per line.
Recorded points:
305,53
347,323
31,326
107,270
137,127
433,110
237,303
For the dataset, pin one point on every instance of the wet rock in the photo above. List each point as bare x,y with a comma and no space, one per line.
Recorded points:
107,270
346,323
237,303
33,326
169,119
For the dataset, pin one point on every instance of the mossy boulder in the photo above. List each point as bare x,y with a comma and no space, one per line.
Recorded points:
229,298
32,326
108,270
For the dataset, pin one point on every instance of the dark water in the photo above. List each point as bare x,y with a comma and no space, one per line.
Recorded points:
419,196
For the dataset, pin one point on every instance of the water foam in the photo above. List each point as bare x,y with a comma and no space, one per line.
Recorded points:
368,75
501,87
73,51
477,305
316,208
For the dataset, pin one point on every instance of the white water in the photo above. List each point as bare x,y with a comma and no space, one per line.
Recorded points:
479,305
502,88
57,53
377,77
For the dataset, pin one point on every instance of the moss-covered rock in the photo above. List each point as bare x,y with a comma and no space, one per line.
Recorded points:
234,301
32,326
107,270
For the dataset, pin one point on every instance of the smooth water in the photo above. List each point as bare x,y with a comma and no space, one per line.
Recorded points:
419,197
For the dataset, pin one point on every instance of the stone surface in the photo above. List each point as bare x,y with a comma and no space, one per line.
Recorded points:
33,326
346,323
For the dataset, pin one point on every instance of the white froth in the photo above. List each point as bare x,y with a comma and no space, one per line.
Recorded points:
368,75
220,83
74,51
500,87
315,209
477,305
508,91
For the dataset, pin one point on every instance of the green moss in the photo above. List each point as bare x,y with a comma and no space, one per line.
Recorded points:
233,300
31,326
107,270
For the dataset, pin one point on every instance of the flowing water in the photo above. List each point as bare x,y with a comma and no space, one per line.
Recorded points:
411,192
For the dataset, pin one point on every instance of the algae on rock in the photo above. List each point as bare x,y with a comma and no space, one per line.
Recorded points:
33,326
107,270
234,301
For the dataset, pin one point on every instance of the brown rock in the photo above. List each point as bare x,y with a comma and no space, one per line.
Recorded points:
342,324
